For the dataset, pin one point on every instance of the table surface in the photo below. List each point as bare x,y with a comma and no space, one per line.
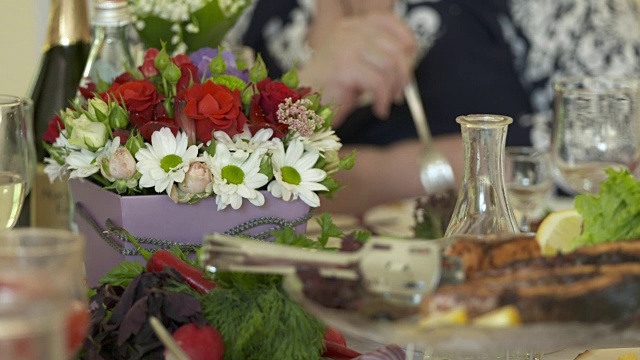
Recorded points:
397,219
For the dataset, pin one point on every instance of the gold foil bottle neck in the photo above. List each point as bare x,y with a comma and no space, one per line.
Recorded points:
68,23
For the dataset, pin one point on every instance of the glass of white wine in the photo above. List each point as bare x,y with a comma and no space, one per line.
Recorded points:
596,126
13,160
529,182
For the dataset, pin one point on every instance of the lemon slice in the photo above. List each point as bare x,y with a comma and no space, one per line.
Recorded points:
456,316
502,317
630,356
557,230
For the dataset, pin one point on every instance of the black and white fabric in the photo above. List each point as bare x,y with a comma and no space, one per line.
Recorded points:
476,56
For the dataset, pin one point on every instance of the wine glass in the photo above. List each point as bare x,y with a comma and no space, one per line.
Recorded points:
32,161
43,307
529,181
596,126
13,161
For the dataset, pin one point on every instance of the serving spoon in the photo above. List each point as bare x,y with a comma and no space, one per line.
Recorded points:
436,174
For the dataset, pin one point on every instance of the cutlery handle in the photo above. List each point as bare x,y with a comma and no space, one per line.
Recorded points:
223,252
412,96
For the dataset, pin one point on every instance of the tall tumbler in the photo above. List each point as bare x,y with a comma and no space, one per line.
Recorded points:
43,307
596,126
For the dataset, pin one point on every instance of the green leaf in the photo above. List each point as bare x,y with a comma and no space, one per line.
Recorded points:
327,229
347,162
266,168
361,235
123,274
331,185
613,214
288,236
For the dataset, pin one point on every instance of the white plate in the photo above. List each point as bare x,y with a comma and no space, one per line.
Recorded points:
607,354
393,219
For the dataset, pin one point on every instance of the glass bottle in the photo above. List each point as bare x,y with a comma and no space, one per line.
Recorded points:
110,53
54,86
482,206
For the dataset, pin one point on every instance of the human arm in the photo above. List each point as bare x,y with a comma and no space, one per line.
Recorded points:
385,174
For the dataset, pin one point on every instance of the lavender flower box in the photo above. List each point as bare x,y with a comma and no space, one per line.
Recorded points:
158,217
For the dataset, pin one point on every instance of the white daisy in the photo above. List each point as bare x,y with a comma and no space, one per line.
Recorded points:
54,170
61,146
165,161
260,142
62,142
85,163
295,175
321,141
236,177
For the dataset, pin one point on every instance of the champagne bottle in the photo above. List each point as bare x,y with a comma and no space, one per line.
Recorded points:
55,85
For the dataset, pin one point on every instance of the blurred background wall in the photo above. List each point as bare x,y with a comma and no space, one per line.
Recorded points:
23,24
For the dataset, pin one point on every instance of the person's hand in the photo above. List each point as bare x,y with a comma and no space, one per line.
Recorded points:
370,55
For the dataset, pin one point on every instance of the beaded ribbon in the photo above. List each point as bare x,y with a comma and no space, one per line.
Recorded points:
112,230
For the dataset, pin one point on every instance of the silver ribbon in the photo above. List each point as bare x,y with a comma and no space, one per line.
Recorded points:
111,230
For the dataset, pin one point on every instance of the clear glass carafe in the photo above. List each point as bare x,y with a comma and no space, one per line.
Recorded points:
482,206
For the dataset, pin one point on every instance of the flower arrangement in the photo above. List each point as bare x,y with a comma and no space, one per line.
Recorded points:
186,25
199,126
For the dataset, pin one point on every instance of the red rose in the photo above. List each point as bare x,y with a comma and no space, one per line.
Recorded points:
214,107
148,69
123,134
272,94
258,121
188,75
53,130
181,59
150,127
139,97
89,91
151,54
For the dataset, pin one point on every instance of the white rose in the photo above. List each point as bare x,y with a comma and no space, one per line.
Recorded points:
97,105
88,134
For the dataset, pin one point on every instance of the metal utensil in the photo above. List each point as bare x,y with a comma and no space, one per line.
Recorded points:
436,174
385,266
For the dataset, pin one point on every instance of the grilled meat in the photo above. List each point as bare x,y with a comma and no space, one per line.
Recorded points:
600,283
483,254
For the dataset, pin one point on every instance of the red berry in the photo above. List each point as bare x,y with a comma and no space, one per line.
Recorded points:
334,336
203,343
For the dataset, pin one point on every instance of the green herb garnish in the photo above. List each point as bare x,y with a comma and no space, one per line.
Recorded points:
613,214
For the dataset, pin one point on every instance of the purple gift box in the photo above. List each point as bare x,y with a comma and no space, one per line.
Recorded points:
158,217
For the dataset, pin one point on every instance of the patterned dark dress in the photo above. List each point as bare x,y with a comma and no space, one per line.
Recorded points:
477,56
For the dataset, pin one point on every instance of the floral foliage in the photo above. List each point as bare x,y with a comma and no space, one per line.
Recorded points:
185,25
199,126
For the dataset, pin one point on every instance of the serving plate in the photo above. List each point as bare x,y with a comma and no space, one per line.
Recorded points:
376,293
462,339
607,354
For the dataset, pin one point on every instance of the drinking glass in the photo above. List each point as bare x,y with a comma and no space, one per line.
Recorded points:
32,161
596,126
43,311
13,160
529,181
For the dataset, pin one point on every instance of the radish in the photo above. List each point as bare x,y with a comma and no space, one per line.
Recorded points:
203,343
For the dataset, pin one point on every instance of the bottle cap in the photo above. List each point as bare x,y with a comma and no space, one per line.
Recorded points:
111,13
